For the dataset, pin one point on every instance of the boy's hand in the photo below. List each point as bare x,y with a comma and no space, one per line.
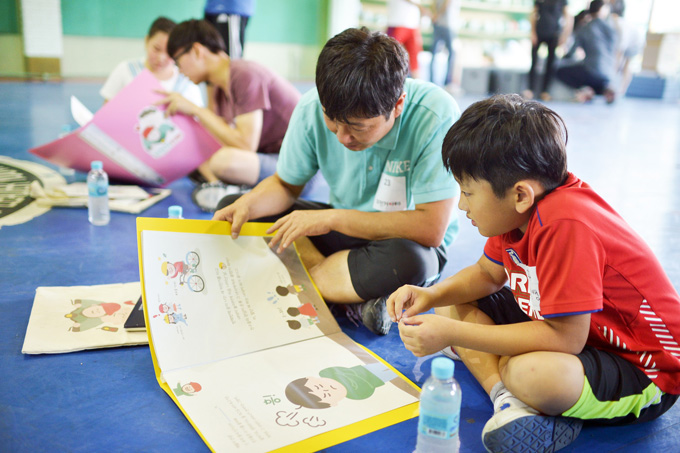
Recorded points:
413,299
426,334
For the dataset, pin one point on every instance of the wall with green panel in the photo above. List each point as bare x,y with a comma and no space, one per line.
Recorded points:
281,21
8,17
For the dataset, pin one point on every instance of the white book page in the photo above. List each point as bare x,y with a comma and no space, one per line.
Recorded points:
211,297
241,404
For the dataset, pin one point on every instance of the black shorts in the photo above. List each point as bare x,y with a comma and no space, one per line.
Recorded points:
377,268
615,392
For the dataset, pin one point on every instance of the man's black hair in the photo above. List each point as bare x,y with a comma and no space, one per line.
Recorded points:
360,74
185,34
505,139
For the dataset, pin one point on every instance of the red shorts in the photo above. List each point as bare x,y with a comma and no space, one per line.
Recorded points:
412,41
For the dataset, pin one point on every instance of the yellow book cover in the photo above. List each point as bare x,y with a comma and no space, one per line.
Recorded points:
244,344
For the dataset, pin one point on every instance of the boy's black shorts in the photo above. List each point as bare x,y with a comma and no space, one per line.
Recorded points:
615,392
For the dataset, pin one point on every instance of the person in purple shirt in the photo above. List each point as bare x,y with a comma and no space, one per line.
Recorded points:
249,105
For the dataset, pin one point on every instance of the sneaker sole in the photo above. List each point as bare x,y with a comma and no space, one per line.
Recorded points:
536,433
376,319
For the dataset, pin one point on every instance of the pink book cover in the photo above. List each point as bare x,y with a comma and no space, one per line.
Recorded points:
134,139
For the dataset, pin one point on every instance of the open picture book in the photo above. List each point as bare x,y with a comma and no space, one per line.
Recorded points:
243,343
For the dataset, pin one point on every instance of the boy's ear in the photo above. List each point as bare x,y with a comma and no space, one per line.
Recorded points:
525,195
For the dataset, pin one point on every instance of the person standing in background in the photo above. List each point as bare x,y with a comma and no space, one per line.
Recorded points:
403,24
630,42
158,62
444,24
230,18
551,24
595,73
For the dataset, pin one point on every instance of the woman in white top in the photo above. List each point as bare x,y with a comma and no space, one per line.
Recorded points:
158,62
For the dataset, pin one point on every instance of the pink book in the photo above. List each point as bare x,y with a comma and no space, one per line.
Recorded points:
134,139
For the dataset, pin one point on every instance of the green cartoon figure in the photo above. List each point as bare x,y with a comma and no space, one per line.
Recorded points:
337,383
89,314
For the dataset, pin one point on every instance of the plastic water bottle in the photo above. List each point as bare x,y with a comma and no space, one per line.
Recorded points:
98,194
439,410
175,212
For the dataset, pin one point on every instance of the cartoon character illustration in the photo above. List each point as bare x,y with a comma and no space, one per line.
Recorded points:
309,316
189,389
174,318
334,384
89,314
290,289
186,271
165,308
156,131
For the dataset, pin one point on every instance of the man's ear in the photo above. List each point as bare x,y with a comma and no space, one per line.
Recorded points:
525,194
399,107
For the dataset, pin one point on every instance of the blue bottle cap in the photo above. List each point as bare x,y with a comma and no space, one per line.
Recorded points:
175,212
96,165
442,368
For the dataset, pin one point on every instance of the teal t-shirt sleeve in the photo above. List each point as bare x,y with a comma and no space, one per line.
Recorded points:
431,181
298,161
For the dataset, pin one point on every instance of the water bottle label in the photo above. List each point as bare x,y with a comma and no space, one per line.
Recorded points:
98,189
436,425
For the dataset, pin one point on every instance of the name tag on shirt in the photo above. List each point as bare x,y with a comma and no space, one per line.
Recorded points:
391,194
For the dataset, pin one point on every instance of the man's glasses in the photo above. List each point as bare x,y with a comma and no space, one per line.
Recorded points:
179,55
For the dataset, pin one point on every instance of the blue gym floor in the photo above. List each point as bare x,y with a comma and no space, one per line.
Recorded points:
109,400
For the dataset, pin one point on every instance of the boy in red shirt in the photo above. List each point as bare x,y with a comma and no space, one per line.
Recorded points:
587,329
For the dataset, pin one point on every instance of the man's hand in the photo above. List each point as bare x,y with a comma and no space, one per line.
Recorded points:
300,223
175,103
237,213
413,299
426,334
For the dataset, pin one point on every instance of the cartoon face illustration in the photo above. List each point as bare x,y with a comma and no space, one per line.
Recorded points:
328,390
165,308
307,316
157,133
172,269
189,389
337,383
95,311
89,314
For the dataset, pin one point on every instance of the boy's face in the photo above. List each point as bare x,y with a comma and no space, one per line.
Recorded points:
327,390
491,215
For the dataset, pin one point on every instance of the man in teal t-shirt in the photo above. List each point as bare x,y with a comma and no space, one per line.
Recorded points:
376,137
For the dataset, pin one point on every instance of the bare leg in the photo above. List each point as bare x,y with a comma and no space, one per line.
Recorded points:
235,166
330,274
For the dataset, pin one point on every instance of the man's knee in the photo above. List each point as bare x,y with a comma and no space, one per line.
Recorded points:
381,267
413,264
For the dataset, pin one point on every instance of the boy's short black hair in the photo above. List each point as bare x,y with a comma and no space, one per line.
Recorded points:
161,24
360,74
185,34
505,139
